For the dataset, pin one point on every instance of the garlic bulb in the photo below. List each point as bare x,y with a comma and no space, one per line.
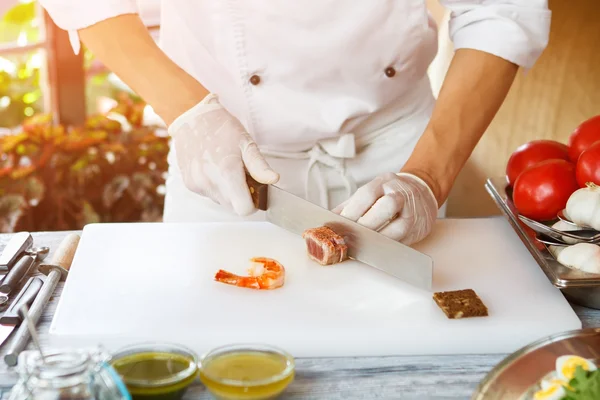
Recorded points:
565,226
583,206
581,256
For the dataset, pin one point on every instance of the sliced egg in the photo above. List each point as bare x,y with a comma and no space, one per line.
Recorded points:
552,392
566,366
546,383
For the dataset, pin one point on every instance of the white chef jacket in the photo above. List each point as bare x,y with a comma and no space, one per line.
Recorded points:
299,73
319,66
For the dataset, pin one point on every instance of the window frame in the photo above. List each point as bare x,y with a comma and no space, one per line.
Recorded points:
65,94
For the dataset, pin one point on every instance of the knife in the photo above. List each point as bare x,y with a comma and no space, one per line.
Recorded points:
11,317
18,243
16,273
370,247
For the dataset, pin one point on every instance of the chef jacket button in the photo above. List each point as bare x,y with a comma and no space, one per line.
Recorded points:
390,72
255,79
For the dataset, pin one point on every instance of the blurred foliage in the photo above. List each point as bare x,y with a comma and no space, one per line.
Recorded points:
20,24
20,92
54,177
21,74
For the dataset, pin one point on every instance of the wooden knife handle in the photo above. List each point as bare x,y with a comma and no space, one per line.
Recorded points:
258,191
66,251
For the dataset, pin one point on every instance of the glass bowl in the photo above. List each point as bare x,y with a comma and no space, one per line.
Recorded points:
156,371
247,371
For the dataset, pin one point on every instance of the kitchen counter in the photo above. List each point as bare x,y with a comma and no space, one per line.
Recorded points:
406,377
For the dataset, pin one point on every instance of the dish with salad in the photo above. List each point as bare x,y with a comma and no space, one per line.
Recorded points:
574,378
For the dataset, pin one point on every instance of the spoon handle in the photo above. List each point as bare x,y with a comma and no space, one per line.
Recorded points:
24,311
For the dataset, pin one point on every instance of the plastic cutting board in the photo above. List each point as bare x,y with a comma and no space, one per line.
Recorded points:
154,282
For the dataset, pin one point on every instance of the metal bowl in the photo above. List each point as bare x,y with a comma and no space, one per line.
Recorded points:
577,286
515,376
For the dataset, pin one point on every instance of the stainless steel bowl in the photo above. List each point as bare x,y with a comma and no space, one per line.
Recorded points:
514,376
577,286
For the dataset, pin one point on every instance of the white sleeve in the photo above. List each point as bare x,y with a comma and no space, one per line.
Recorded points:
72,15
515,30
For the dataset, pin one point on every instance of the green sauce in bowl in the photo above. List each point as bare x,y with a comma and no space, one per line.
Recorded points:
156,371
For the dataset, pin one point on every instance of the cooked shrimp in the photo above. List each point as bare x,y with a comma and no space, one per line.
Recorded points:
265,274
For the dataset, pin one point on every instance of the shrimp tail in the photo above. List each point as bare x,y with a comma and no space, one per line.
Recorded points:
226,277
236,280
265,274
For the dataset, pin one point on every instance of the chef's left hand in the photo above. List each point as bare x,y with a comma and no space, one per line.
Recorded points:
403,196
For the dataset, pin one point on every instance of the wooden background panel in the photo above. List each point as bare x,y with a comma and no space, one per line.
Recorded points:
562,90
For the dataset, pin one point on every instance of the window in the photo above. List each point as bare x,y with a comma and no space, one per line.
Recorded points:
40,73
23,56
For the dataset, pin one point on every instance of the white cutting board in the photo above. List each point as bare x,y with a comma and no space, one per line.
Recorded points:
146,282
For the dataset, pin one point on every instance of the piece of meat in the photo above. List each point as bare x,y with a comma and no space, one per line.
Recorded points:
325,246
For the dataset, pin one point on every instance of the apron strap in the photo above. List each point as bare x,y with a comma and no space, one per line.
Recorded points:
331,153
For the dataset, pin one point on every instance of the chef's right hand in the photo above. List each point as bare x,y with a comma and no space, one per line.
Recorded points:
213,153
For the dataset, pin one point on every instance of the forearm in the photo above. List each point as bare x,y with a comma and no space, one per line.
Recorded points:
475,86
125,46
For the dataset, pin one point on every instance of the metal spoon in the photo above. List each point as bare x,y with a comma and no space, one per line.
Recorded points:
24,311
585,235
562,215
540,237
38,253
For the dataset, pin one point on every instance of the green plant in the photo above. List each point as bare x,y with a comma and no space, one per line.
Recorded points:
54,177
20,91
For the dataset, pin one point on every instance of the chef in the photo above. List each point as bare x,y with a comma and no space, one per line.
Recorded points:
330,100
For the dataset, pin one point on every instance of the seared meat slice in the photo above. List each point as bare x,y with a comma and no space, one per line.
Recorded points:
325,246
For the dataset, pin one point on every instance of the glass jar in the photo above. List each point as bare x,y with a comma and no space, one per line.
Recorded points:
68,375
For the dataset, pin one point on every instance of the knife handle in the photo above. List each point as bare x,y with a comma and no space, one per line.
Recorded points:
14,276
26,296
258,192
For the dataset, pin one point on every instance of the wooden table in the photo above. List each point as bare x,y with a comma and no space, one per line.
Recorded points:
406,377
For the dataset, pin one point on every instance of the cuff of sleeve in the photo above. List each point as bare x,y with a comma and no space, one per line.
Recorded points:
520,39
72,17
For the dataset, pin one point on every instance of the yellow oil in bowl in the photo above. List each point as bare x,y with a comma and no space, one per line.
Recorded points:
156,371
246,372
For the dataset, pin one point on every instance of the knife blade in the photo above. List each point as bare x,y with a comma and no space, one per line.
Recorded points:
18,243
370,247
11,317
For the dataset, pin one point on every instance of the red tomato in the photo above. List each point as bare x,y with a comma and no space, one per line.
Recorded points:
542,190
588,166
532,153
585,135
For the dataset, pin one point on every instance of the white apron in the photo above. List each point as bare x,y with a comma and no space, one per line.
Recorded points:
334,92
326,174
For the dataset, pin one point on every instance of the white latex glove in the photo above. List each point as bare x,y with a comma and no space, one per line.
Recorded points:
403,199
213,151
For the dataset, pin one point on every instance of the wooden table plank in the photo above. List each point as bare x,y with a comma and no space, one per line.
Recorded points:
406,377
